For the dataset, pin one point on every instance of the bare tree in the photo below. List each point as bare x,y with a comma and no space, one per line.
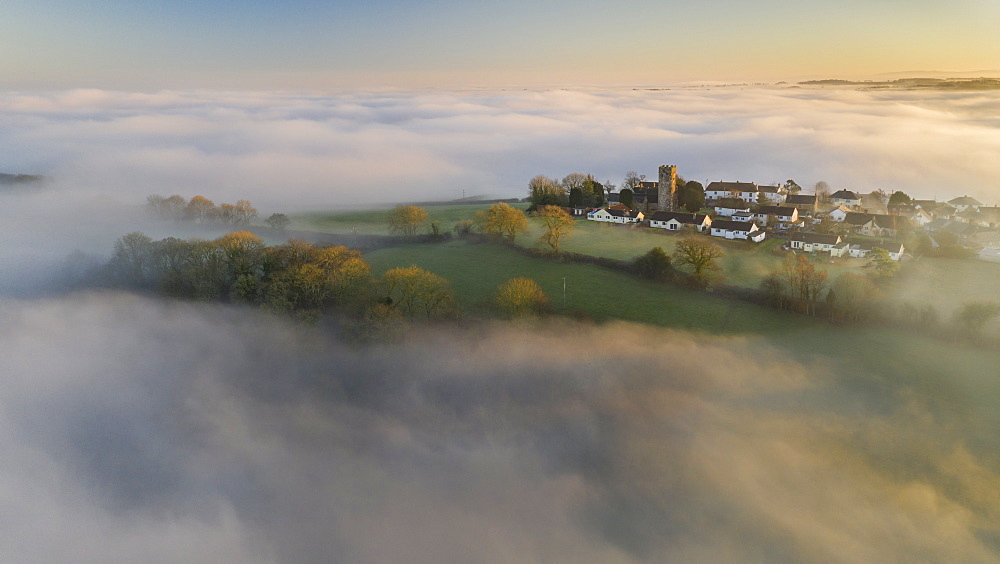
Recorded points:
558,224
698,254
406,220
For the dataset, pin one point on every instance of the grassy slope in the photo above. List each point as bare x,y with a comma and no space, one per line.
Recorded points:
476,270
947,283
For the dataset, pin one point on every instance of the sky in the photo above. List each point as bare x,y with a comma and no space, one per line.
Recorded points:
264,44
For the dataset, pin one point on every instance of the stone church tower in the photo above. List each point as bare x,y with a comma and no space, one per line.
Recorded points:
668,188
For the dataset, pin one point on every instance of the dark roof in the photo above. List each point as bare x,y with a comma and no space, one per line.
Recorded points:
808,199
845,195
622,213
776,210
729,225
964,201
815,238
881,220
741,186
681,217
769,189
869,245
732,203
649,185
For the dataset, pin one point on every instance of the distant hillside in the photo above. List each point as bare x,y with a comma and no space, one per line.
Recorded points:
19,180
981,83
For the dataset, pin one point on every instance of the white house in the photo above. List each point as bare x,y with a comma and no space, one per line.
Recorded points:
814,242
846,198
861,250
737,230
838,214
742,190
675,221
774,195
609,215
728,206
963,203
743,216
780,216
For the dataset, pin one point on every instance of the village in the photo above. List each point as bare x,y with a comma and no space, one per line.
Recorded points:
844,223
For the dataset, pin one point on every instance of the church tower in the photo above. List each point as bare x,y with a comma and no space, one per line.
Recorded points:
668,188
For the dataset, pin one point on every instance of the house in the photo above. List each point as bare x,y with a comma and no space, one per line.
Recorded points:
806,203
838,214
675,221
770,195
737,190
846,198
784,217
743,216
936,210
861,250
983,217
875,225
814,242
728,206
737,230
963,203
610,215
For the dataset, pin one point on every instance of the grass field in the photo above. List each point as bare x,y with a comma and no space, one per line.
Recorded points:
475,271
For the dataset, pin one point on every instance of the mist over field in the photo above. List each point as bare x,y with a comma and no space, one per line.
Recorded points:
292,151
139,430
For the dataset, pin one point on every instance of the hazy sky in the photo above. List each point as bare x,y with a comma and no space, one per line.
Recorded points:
308,43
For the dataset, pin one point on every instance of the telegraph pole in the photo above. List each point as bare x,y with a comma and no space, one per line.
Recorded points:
564,292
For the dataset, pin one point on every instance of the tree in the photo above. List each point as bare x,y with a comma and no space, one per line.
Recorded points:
973,316
792,186
803,281
880,195
278,221
698,254
576,197
593,193
654,265
521,297
881,263
557,223
406,220
544,191
243,253
414,290
627,197
245,212
200,209
899,198
852,296
502,220
632,180
691,196
133,261
574,180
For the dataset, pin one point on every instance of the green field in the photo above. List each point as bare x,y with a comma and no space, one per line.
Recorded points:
475,271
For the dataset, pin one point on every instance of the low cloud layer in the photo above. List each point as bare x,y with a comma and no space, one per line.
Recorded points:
136,430
287,151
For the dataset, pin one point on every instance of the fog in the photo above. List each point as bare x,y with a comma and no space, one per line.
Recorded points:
290,151
137,430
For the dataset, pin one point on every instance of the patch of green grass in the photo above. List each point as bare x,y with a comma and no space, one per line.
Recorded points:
475,271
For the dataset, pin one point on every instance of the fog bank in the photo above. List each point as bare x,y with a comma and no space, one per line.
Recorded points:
293,151
138,430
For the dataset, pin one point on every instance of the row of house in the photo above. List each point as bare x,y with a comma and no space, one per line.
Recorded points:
835,246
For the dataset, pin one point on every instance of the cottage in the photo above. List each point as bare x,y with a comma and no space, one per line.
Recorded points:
963,203
770,195
838,214
784,217
728,206
875,225
733,190
806,203
610,215
675,221
861,250
846,198
737,230
814,242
